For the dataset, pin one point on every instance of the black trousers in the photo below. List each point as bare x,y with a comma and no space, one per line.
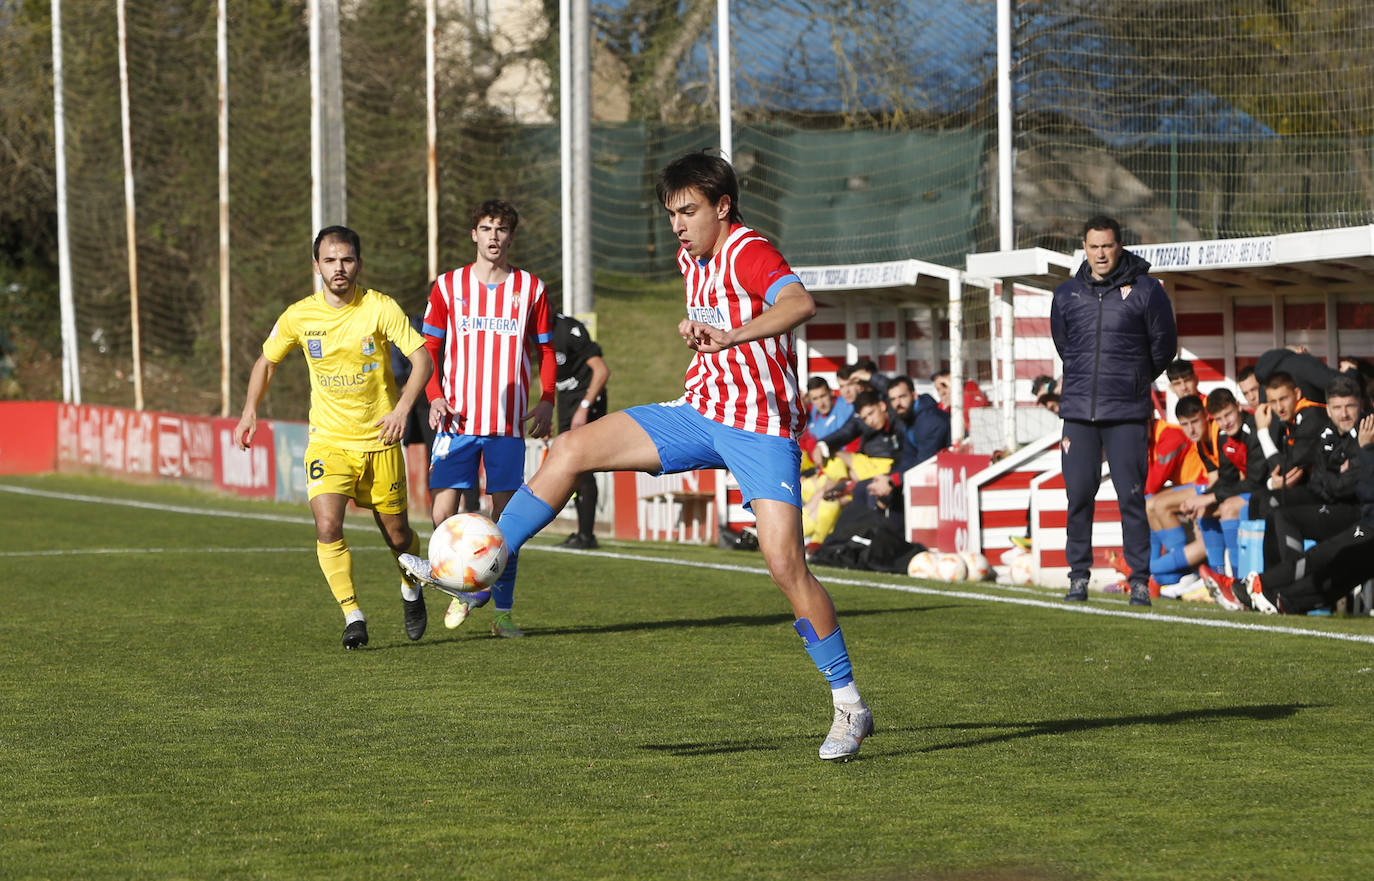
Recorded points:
1126,446
1323,575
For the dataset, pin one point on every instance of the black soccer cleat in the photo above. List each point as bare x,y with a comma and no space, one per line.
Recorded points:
355,635
415,616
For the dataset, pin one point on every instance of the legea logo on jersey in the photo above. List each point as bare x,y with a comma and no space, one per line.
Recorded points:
707,315
315,347
369,346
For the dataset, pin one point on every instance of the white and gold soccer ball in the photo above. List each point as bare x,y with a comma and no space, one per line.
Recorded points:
1023,569
978,566
950,567
922,565
467,552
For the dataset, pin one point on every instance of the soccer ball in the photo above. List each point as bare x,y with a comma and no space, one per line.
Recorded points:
467,552
1023,569
950,567
922,565
978,567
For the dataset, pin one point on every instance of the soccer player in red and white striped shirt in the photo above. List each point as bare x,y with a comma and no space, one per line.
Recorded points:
742,410
486,318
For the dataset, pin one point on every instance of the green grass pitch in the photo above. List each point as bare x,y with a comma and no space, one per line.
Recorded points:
174,703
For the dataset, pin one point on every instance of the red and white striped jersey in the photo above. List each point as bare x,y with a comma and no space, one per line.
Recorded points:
484,333
752,386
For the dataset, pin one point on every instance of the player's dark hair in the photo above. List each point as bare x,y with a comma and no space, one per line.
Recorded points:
1219,400
1041,384
846,371
708,174
816,382
937,374
1342,386
1047,398
1179,369
1245,373
901,380
342,234
1101,222
867,398
1187,407
502,211
867,364
1281,379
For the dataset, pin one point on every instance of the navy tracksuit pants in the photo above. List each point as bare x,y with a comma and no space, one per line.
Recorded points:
1126,445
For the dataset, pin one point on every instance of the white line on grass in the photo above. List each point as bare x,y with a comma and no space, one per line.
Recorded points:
179,509
92,551
1056,606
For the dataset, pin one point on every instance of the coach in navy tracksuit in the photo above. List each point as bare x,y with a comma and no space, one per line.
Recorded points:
1114,328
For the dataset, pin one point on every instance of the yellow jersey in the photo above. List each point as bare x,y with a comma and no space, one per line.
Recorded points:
348,352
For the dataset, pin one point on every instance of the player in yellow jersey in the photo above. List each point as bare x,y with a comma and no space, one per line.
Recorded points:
356,416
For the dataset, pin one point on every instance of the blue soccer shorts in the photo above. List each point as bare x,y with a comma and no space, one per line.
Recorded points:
764,465
454,462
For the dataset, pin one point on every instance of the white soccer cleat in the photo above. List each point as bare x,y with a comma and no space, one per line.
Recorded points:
853,722
462,604
418,568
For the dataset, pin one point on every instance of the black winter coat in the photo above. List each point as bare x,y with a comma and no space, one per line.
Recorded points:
1115,337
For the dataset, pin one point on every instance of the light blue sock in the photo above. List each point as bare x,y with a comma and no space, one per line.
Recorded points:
524,515
1230,534
1167,569
1214,541
503,591
1156,544
830,654
1172,538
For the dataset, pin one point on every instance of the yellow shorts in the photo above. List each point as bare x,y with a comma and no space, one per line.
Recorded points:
374,480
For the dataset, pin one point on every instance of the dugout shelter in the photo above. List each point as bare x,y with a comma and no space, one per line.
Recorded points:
1234,299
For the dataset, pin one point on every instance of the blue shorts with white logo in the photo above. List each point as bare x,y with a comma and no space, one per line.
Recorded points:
766,466
453,463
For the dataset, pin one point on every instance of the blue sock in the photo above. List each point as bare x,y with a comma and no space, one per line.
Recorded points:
830,654
524,515
503,591
1168,568
1172,538
1156,544
1214,541
1230,534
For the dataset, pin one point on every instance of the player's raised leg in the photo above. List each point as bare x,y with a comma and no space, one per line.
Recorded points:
614,443
336,562
779,530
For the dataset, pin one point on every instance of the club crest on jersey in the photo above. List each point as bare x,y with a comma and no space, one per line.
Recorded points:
1125,291
315,348
369,346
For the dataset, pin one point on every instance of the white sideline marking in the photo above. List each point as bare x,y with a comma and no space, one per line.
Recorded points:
75,552
1057,606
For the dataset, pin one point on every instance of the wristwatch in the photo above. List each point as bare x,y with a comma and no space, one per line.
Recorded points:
584,404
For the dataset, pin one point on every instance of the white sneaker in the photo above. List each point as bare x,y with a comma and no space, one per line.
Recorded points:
1188,583
853,722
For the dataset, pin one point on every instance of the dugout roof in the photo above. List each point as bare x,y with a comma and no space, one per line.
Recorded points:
894,282
1330,261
